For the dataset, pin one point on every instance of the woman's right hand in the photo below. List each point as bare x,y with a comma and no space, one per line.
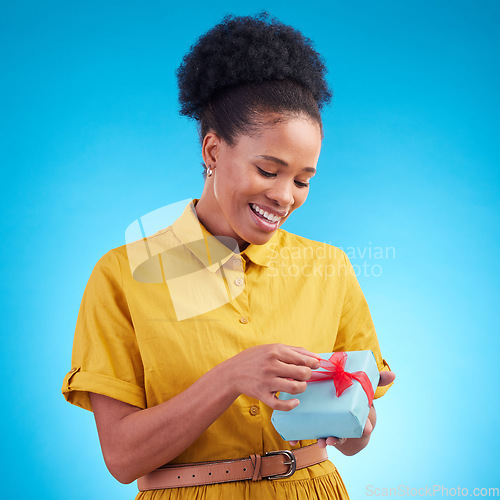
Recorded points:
136,441
262,371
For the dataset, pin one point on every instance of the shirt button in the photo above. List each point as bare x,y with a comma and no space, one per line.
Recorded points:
243,320
254,410
236,263
239,281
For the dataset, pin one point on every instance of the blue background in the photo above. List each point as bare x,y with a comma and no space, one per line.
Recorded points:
91,140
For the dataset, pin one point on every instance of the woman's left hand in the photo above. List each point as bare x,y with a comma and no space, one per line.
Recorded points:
351,446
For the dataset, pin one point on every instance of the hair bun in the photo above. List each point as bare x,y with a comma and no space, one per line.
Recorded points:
248,49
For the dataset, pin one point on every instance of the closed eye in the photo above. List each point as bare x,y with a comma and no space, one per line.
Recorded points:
302,184
265,173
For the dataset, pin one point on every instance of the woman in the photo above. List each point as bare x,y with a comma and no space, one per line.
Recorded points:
183,340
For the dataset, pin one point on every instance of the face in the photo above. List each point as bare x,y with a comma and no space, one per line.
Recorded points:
259,181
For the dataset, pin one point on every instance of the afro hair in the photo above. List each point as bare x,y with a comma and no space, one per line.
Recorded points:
248,50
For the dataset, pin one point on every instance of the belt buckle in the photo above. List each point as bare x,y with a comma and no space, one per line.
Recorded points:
292,463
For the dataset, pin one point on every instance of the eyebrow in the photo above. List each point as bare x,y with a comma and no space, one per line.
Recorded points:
284,163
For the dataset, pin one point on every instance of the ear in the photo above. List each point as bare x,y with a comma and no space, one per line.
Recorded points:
210,149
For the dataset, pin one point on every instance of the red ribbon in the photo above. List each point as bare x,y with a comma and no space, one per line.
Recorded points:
341,379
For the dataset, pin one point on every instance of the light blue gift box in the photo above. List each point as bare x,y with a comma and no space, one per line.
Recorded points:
321,413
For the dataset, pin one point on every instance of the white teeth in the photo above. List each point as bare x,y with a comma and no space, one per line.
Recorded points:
270,217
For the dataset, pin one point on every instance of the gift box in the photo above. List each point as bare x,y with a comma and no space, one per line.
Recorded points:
337,399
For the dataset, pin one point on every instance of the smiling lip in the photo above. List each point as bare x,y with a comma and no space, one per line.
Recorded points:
279,213
262,222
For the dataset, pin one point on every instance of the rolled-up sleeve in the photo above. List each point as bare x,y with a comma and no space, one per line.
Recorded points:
106,357
356,331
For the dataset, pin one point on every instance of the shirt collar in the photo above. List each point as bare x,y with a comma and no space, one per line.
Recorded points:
209,250
262,254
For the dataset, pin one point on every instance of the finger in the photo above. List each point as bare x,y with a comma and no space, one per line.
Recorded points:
293,443
322,443
386,378
293,372
368,428
290,386
332,441
300,357
340,441
310,354
281,404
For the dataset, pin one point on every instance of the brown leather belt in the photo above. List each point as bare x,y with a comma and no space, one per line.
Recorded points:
272,465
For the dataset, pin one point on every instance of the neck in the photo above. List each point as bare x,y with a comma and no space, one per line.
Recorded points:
209,214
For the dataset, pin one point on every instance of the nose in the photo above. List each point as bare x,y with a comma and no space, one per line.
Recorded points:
282,193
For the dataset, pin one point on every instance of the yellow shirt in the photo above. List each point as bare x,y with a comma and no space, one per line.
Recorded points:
160,312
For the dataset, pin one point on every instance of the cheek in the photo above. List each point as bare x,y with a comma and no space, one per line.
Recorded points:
223,186
231,189
301,197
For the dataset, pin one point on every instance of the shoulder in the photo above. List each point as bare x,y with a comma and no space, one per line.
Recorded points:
292,246
123,261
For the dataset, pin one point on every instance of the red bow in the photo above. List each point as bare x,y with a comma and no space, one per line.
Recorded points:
342,379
